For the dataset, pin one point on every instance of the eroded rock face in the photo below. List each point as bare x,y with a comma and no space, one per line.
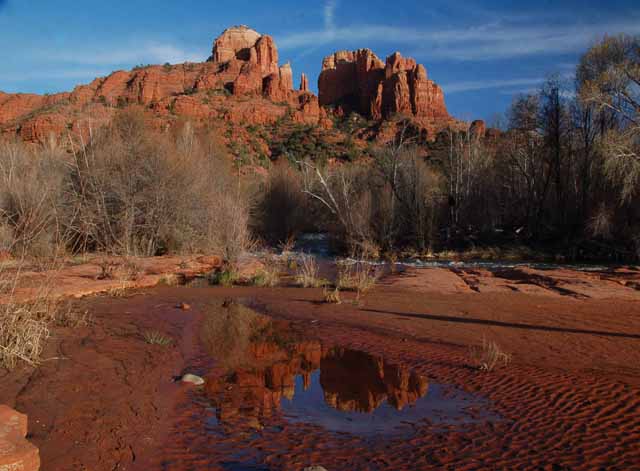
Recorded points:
234,43
359,81
255,57
16,453
304,83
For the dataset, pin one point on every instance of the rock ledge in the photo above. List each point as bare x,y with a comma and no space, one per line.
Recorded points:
16,453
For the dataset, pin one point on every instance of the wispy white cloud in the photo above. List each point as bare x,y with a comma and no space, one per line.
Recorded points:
329,13
55,74
473,85
494,40
147,52
82,64
512,85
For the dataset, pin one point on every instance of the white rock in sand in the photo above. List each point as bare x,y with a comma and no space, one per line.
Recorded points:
315,468
193,379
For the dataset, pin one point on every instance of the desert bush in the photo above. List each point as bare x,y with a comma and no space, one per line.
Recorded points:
225,277
359,277
135,191
119,189
228,227
25,325
130,190
123,270
489,355
30,190
308,271
269,276
281,211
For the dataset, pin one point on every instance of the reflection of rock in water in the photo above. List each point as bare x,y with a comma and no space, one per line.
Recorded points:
358,382
228,331
249,394
262,359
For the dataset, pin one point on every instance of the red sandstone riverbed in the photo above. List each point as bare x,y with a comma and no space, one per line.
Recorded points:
570,400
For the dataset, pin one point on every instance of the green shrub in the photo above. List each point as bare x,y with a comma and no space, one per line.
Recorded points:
223,278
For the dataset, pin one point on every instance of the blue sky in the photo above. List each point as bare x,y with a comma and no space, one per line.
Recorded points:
481,53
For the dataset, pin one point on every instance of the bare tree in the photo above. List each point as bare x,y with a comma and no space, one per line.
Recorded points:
341,190
135,191
554,126
609,78
30,188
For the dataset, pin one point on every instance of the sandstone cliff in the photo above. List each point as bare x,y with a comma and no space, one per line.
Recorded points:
358,81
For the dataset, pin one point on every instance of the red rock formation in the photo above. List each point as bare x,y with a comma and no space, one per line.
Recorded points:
16,453
243,63
234,43
41,127
267,55
304,83
241,83
20,104
278,86
359,81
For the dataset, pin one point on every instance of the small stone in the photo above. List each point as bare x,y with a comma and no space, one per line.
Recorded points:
315,468
193,379
183,306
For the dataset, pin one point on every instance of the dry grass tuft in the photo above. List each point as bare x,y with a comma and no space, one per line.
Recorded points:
307,274
269,276
392,260
332,295
25,325
22,336
107,270
489,355
24,329
125,270
68,316
155,337
358,277
170,279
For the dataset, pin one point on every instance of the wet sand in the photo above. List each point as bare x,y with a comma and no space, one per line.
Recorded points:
570,399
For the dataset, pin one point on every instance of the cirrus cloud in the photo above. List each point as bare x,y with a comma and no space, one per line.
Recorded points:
503,38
